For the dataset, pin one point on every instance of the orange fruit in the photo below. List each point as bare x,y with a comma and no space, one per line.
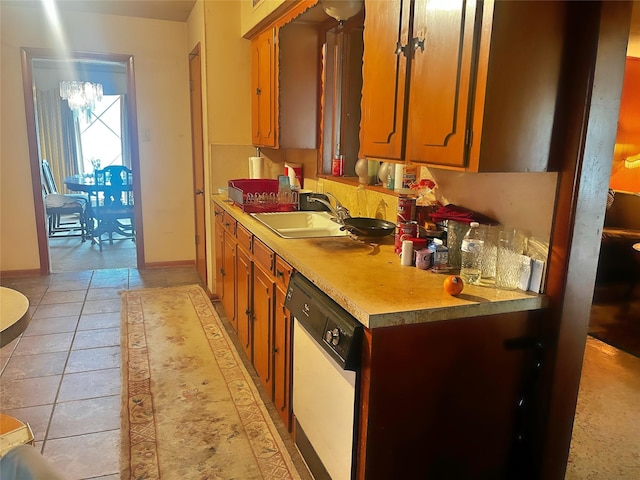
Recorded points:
453,285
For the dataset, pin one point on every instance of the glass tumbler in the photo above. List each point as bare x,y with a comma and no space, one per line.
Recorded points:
489,256
511,245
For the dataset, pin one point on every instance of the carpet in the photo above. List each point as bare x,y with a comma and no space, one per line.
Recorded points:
189,407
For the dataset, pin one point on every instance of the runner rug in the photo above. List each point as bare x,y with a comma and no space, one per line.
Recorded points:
189,407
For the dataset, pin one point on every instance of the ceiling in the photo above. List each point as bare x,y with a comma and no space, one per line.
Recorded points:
173,10
179,10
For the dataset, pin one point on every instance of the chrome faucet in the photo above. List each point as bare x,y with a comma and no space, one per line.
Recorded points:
339,211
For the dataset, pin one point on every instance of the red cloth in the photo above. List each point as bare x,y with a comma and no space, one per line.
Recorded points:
460,214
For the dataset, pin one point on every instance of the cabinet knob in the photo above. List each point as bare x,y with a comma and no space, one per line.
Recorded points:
401,49
258,91
417,43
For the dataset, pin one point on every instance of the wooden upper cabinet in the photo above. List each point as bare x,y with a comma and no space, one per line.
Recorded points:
441,49
384,70
479,82
263,89
285,77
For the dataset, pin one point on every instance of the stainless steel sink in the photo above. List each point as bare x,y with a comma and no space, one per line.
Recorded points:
301,224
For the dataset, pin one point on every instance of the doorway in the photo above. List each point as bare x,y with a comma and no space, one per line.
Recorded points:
43,70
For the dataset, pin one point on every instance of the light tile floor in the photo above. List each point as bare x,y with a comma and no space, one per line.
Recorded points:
62,376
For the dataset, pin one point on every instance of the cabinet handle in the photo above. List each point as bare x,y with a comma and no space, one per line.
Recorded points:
215,214
258,91
417,43
400,49
279,273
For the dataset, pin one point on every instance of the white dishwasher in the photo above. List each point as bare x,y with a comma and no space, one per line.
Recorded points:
326,357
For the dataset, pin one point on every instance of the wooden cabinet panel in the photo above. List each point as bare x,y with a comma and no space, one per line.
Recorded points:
285,64
473,374
283,272
282,358
263,90
244,296
263,312
245,238
442,46
477,89
264,256
229,279
219,248
384,71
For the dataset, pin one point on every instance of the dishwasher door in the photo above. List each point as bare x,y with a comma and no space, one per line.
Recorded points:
324,397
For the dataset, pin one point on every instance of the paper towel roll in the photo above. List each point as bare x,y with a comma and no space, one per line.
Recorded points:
397,180
256,167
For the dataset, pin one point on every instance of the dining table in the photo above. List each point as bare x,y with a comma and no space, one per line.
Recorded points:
97,192
87,183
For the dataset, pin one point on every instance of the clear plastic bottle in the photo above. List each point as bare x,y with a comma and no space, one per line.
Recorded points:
470,253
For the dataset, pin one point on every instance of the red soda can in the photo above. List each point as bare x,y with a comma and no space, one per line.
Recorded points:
337,166
406,209
404,231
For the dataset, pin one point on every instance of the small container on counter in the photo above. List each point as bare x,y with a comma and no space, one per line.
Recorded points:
406,209
404,230
406,257
423,258
337,166
439,256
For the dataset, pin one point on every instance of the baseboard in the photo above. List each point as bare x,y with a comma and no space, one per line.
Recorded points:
178,263
21,273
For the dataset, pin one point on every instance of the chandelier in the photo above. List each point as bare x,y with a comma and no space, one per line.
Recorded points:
81,96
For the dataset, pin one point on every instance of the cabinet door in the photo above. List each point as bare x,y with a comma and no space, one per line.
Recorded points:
282,358
263,90
442,47
229,279
263,311
219,236
384,73
243,299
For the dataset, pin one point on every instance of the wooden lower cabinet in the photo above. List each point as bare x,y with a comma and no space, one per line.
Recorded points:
226,251
450,399
229,279
244,295
282,347
263,311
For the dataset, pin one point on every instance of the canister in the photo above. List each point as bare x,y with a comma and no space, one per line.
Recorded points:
406,209
404,231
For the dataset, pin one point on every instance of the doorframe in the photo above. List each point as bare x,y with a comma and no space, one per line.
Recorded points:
27,57
197,145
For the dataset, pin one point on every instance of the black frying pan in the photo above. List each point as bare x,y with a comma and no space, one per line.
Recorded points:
368,227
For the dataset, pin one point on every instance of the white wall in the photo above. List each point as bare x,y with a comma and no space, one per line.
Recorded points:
160,54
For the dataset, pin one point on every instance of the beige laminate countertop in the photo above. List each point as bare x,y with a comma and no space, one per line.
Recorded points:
368,281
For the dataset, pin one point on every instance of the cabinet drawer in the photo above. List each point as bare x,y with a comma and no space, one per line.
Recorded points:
263,255
245,238
229,223
283,272
218,214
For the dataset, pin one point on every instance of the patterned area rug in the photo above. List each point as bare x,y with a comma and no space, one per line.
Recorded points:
189,407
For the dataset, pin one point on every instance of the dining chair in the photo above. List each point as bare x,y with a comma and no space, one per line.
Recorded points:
113,209
66,213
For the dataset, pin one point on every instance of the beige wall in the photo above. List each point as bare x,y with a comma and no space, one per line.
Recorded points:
160,56
251,14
